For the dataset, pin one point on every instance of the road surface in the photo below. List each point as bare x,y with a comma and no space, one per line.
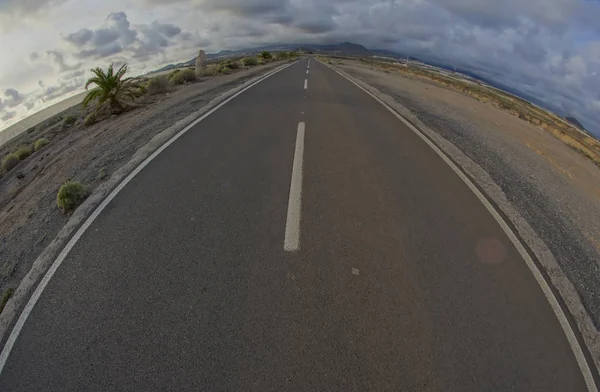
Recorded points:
300,238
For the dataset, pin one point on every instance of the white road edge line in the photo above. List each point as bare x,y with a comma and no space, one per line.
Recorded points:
562,318
10,342
305,84
291,243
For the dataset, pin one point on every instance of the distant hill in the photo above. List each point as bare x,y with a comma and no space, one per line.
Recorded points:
574,121
344,47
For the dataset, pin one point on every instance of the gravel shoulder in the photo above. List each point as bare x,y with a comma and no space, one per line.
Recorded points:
29,217
552,187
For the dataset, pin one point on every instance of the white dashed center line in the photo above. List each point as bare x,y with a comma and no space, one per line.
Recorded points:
305,84
291,242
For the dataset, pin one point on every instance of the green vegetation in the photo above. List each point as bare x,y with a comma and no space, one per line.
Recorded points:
70,195
286,55
249,61
173,73
181,76
90,119
112,90
211,69
69,120
40,143
8,293
23,152
282,55
227,65
265,55
230,64
9,162
158,85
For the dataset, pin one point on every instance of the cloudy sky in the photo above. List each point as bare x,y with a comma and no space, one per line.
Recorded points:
549,49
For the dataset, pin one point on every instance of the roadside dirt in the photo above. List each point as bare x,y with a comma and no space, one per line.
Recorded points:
29,216
556,189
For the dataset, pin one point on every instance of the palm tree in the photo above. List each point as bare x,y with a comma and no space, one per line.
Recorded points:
112,90
266,55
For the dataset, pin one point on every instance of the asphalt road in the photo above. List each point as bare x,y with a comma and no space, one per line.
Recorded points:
401,280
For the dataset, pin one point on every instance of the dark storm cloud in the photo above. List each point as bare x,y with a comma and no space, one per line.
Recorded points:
257,8
60,89
140,41
80,38
315,27
59,58
13,97
103,37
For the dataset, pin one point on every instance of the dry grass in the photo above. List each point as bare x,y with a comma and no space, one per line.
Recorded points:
568,134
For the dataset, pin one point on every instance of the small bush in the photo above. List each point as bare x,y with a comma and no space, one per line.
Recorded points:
90,119
23,152
9,162
211,69
233,64
8,293
249,61
173,73
159,85
69,120
282,55
40,143
266,55
70,195
183,76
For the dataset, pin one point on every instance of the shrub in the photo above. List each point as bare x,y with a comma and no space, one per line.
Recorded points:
40,143
159,85
183,76
211,69
249,61
173,73
228,65
23,152
232,64
266,55
90,119
69,120
9,162
70,195
282,55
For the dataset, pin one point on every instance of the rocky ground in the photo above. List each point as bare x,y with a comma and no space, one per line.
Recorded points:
553,187
29,216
